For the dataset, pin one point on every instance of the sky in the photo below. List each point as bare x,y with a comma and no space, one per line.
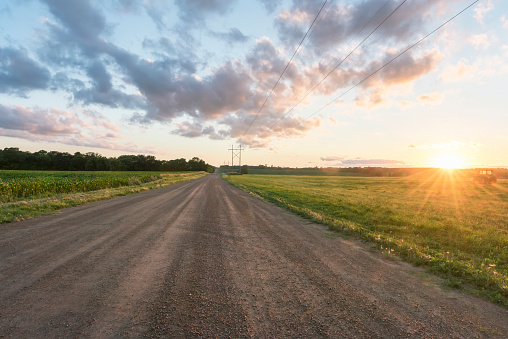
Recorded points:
186,78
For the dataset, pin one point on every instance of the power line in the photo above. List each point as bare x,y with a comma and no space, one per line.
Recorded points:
360,31
353,38
317,23
236,153
337,66
289,62
388,63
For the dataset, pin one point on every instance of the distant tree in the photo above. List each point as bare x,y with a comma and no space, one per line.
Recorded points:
178,165
78,162
152,164
244,169
127,162
41,160
61,160
374,171
114,164
196,164
13,158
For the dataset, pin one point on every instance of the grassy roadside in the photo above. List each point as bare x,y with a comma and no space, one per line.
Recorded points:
443,222
33,206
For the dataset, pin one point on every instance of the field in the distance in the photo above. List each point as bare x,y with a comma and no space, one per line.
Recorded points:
434,218
26,194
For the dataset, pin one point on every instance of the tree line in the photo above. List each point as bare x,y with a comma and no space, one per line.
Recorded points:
14,159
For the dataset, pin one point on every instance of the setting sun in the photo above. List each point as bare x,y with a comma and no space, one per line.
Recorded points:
449,161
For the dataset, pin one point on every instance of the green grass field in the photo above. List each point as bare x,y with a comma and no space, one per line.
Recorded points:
26,194
436,218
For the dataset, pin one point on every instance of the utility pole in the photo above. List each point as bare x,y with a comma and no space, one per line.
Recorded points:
236,153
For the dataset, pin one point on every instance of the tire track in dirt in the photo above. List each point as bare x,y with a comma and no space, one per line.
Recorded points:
103,223
76,275
199,297
204,259
311,287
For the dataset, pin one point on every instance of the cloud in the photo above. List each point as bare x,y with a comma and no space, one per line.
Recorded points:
156,11
372,162
189,130
222,92
197,10
342,23
168,89
231,37
193,16
77,37
491,65
99,120
50,122
345,161
405,70
128,6
504,21
195,129
433,97
102,91
168,83
228,97
20,74
479,41
332,159
112,98
88,128
181,58
458,72
486,66
482,9
269,5
447,145
79,17
100,76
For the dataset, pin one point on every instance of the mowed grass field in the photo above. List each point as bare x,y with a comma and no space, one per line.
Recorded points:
436,218
26,194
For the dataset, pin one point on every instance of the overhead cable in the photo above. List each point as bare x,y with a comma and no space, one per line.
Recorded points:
317,23
388,63
337,66
360,31
289,62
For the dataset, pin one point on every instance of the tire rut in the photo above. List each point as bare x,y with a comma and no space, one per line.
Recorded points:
204,259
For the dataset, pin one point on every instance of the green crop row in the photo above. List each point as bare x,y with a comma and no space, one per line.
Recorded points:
31,194
16,185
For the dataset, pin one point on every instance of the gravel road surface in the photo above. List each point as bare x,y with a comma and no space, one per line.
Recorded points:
204,259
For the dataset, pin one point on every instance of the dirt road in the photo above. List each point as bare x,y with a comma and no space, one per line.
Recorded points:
203,259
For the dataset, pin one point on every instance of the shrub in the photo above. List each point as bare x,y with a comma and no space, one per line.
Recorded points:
244,169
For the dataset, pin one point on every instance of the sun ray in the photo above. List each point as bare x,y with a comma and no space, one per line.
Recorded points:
484,189
435,178
455,178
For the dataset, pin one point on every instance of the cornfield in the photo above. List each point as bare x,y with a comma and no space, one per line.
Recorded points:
19,185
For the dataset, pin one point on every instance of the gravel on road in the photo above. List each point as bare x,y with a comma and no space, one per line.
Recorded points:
204,259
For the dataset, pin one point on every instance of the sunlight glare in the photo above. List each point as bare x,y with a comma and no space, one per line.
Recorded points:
449,161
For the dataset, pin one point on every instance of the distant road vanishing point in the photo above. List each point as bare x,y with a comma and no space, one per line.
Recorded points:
204,259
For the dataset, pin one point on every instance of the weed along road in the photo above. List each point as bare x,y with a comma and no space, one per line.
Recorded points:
204,259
